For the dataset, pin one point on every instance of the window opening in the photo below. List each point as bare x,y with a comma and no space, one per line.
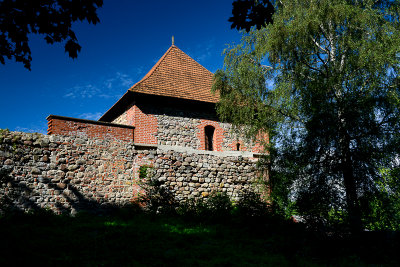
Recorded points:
238,146
209,136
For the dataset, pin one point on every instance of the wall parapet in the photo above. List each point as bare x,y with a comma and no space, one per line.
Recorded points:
81,127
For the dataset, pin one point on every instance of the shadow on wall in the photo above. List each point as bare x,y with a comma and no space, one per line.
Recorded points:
179,108
66,174
17,196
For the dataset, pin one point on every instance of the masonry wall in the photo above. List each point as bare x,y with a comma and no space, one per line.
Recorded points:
175,126
197,175
88,128
71,173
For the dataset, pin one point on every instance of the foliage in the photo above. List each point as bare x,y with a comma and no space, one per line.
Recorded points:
3,133
52,18
382,209
323,81
145,171
217,206
251,204
248,13
156,198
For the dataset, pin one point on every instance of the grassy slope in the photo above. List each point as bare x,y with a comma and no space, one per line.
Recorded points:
148,240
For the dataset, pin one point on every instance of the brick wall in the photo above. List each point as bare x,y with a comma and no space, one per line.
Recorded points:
177,126
146,126
88,128
217,137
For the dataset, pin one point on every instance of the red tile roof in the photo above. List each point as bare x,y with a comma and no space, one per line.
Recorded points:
174,75
178,75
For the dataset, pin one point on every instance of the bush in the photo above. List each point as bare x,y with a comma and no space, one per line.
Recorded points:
251,204
157,198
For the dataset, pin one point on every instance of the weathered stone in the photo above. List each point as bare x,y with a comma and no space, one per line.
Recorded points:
55,180
36,170
61,185
44,142
204,194
178,163
101,169
60,174
79,141
107,171
80,161
72,167
37,151
63,167
75,181
45,158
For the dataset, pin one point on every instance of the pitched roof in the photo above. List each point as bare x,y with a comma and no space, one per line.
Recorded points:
177,75
174,75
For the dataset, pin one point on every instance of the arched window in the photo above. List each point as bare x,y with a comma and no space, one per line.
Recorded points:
209,136
237,146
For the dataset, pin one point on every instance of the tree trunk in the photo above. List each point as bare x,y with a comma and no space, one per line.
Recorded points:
346,164
350,187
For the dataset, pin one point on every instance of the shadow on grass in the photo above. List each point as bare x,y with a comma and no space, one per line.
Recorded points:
210,232
143,239
130,237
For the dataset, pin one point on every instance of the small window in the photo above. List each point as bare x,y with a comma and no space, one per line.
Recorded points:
209,136
238,146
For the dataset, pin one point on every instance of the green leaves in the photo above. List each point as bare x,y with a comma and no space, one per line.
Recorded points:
324,79
53,18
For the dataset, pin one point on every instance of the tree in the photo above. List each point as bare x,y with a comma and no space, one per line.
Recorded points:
52,18
249,13
324,80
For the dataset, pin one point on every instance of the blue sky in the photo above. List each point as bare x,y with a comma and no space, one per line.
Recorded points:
116,53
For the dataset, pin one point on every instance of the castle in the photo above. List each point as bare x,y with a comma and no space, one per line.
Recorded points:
172,108
167,121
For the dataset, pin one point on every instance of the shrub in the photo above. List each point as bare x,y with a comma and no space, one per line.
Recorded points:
157,198
251,204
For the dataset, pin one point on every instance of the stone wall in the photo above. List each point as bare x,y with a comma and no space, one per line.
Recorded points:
70,173
174,126
197,175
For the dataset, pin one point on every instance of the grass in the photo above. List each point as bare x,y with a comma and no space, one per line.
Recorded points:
140,239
